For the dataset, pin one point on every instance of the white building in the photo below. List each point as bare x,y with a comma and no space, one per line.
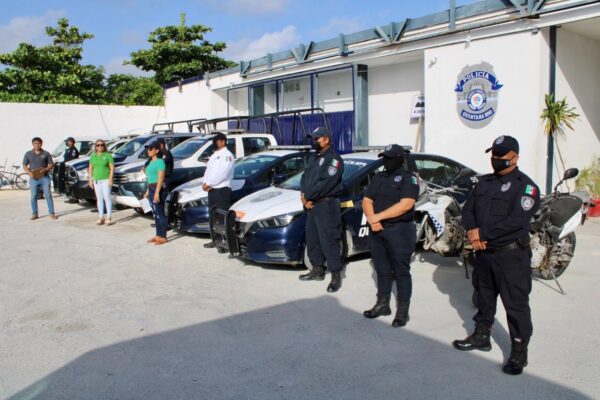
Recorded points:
483,69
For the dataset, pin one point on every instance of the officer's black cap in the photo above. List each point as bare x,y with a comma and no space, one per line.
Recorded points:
69,139
219,136
392,151
503,144
320,132
161,141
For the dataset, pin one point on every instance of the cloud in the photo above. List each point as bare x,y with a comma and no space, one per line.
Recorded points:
256,7
29,29
247,49
337,25
115,66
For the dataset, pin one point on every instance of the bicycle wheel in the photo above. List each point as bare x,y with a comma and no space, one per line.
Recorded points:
22,181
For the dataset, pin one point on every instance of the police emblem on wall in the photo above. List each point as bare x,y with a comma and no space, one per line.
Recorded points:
477,95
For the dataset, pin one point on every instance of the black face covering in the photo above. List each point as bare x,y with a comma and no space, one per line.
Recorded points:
499,165
317,146
392,164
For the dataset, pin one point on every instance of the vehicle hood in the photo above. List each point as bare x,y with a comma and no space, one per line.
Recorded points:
131,167
192,190
268,203
79,163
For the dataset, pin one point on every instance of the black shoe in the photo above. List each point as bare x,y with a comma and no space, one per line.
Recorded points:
221,250
209,245
479,340
72,201
316,274
517,359
382,307
401,318
336,282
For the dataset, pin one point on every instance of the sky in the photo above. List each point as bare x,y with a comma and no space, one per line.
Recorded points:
251,28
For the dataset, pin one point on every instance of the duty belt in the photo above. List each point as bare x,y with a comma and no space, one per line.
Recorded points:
511,246
322,199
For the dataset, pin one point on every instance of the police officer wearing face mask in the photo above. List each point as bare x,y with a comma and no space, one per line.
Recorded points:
320,186
389,206
71,153
497,218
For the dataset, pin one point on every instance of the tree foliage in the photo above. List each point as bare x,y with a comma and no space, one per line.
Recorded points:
180,52
557,116
130,90
52,73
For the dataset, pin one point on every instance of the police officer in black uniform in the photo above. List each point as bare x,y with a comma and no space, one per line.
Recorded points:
389,205
71,153
320,187
168,159
497,218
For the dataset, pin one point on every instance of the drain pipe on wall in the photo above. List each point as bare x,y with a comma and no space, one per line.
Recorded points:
552,92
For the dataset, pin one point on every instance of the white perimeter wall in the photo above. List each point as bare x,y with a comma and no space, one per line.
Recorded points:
520,63
20,122
391,90
578,79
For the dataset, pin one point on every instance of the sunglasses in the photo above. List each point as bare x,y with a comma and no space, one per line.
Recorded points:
101,145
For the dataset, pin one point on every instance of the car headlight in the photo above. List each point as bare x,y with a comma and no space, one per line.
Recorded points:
83,175
136,176
278,221
196,203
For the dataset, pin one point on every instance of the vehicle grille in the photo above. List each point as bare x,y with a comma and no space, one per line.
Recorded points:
120,177
71,175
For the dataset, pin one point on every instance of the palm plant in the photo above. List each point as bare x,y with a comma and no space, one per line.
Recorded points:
557,116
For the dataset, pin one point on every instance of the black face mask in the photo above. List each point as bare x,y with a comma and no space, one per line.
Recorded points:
317,146
499,165
392,164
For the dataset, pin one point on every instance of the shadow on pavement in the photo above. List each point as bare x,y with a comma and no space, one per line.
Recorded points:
308,349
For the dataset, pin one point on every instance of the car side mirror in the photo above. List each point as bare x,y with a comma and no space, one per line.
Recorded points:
465,172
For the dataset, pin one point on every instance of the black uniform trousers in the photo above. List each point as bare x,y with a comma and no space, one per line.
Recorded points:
220,198
507,274
391,250
324,234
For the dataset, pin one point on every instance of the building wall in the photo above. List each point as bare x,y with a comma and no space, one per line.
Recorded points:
520,62
190,101
577,79
334,91
55,122
391,89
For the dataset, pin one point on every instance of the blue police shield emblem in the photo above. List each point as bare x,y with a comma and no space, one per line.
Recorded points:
397,178
477,95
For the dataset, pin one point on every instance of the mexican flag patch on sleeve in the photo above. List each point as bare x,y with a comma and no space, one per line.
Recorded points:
414,180
530,190
335,163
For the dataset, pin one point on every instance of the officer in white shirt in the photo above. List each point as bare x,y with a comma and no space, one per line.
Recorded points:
218,177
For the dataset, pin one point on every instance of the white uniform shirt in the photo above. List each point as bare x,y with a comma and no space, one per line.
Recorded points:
219,169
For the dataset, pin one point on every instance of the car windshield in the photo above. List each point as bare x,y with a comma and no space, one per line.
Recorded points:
351,166
246,166
187,148
131,147
59,150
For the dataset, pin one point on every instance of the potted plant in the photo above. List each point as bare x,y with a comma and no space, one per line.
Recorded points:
589,179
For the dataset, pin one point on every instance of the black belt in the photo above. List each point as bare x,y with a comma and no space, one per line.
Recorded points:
511,246
325,199
153,185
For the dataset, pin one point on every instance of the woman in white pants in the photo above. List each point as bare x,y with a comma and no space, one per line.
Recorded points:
101,170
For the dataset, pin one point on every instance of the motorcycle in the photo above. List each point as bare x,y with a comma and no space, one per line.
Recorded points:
552,235
438,218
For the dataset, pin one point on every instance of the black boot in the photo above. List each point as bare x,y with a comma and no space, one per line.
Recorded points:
316,274
401,318
479,340
336,282
517,359
209,245
382,307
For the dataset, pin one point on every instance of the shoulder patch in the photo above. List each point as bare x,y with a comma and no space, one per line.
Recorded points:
414,180
331,170
335,163
527,203
530,190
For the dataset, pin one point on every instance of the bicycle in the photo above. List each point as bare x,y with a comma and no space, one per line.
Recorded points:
13,178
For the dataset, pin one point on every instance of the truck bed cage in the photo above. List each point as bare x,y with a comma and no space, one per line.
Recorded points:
171,124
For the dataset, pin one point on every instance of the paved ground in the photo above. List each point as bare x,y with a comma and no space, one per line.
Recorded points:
92,312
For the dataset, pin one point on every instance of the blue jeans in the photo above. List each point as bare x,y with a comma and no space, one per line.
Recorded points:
44,184
158,209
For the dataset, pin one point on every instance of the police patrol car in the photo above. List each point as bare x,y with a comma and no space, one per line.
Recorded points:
269,226
187,205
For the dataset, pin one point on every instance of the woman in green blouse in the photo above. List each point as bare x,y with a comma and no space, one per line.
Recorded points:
100,171
156,194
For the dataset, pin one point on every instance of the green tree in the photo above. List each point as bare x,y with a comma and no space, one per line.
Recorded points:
130,90
180,52
556,117
52,73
